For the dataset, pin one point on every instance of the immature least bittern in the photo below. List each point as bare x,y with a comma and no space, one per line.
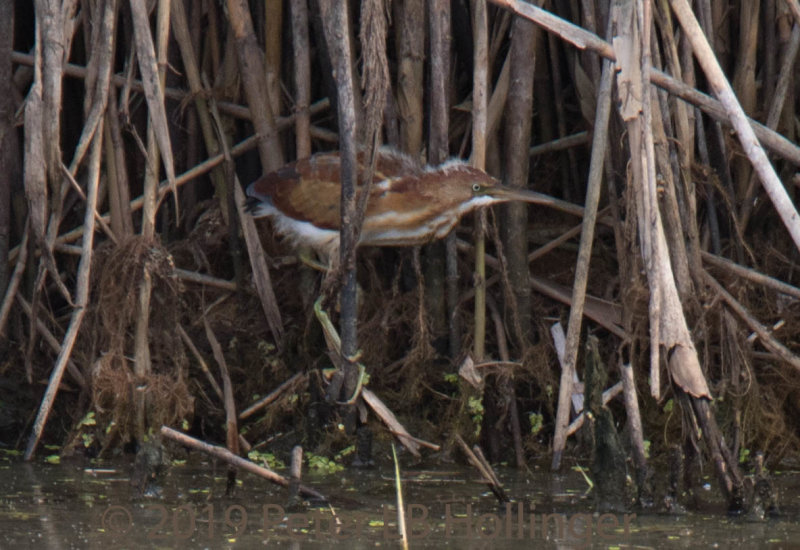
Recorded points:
408,204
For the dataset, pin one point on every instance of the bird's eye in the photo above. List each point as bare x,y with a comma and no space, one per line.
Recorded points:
476,187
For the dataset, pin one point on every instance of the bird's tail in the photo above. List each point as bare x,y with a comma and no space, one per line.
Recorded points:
252,206
258,205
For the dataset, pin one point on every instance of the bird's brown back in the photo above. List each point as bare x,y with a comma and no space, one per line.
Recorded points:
309,189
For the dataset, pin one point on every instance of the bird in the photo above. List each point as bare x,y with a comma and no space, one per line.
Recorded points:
409,204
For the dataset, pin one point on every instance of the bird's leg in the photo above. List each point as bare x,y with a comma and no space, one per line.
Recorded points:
334,343
332,282
331,286
331,335
306,256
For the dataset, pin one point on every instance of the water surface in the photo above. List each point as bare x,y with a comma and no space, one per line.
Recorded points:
92,505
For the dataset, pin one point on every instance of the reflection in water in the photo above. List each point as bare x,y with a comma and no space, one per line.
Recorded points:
93,506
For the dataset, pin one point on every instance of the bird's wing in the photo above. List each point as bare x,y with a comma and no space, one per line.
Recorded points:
309,189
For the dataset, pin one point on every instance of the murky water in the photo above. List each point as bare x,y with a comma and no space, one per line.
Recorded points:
91,505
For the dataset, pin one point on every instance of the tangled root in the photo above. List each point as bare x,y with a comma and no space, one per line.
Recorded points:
120,275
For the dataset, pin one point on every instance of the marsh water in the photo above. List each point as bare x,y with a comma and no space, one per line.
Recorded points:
82,504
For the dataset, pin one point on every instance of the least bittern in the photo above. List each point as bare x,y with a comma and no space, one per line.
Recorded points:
408,204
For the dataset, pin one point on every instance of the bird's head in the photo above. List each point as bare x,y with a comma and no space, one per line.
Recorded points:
471,188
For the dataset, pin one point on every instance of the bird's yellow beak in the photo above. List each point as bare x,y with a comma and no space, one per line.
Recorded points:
504,193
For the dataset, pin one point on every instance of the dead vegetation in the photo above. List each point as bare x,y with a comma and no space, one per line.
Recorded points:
119,271
704,305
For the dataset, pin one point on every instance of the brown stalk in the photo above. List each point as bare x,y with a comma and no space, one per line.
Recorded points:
776,104
192,148
56,26
604,313
479,462
35,164
722,89
337,37
231,428
744,80
559,144
589,61
517,137
9,148
119,195
763,333
376,88
197,171
298,379
237,461
751,275
296,475
634,418
410,73
568,169
203,279
439,122
37,191
302,99
100,221
608,395
410,18
515,246
200,361
183,38
258,258
674,230
594,186
505,384
583,39
211,60
251,69
132,85
684,124
81,301
497,102
52,342
480,92
712,229
438,151
273,32
667,323
302,77
13,282
153,70
84,266
158,146
675,150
